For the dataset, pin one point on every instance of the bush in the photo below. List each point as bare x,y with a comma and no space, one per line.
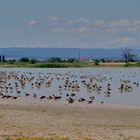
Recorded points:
51,65
33,61
96,62
71,60
24,60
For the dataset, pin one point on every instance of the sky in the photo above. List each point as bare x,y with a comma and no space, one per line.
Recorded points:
70,23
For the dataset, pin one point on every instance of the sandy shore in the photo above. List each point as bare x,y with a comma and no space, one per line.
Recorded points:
36,118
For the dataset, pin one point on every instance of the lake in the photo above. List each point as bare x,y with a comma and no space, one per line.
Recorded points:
91,85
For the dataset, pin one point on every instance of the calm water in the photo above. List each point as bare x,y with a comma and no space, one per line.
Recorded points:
102,83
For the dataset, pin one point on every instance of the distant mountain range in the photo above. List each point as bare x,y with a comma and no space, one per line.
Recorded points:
44,53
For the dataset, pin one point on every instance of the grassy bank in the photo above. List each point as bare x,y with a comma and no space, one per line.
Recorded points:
42,65
65,65
132,64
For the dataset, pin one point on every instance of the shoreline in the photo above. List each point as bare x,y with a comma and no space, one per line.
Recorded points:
39,118
62,65
24,101
32,116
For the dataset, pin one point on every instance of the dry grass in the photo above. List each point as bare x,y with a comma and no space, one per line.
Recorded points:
52,138
132,138
33,138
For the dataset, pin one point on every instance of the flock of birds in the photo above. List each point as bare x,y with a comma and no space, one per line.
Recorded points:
80,86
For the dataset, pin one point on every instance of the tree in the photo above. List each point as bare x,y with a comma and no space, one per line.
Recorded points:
96,62
71,60
102,60
33,61
3,58
11,61
55,59
24,59
128,55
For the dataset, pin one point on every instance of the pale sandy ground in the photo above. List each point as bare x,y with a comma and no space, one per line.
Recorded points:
35,118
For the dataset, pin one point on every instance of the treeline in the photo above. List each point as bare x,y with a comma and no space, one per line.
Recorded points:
33,61
58,60
127,56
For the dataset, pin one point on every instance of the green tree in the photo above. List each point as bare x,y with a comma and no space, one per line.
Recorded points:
33,61
3,58
24,60
96,62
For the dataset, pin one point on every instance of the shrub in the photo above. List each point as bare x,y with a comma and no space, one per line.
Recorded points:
24,60
33,61
96,62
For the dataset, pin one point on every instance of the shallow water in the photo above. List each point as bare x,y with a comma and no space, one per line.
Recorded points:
84,78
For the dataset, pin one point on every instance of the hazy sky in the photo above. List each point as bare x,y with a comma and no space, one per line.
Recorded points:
70,23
